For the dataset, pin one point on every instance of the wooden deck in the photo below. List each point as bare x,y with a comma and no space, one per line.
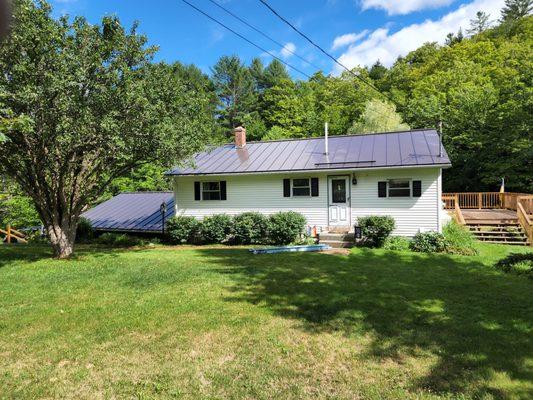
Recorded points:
495,215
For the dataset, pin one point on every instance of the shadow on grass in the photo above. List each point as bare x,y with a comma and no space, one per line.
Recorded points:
35,252
476,321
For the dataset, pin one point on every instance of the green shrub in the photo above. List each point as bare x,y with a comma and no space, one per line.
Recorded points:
286,227
250,228
517,263
428,242
459,240
398,243
119,240
216,228
85,231
376,229
181,229
18,211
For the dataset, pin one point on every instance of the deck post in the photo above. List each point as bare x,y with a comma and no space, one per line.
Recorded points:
8,234
479,200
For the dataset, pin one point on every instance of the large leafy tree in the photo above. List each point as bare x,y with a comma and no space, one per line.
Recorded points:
378,116
481,90
90,109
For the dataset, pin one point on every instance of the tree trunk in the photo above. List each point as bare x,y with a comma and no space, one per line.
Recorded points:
62,239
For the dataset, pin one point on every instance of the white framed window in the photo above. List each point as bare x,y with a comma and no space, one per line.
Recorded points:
399,188
211,191
301,187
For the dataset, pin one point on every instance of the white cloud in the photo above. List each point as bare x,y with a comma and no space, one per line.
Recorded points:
385,46
347,39
288,50
394,7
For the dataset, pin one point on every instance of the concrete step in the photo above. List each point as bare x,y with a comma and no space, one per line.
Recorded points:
346,237
337,244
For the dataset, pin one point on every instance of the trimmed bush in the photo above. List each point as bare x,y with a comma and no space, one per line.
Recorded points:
286,227
428,242
119,240
459,240
517,263
376,229
85,231
216,228
250,228
398,243
181,229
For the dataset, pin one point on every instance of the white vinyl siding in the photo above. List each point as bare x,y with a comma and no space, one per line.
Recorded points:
410,213
260,193
264,193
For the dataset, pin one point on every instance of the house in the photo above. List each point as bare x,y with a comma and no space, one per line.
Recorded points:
331,181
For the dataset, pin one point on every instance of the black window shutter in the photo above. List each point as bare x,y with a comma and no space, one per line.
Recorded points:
382,189
286,188
314,187
223,190
196,190
417,188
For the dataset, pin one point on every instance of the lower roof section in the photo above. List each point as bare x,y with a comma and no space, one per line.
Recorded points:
131,212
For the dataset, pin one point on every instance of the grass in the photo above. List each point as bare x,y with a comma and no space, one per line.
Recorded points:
216,322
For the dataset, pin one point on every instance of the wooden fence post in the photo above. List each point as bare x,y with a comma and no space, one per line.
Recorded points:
9,234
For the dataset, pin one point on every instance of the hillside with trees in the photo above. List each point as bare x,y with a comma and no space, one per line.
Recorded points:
85,112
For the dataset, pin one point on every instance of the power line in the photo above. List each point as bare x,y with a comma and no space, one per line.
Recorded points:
263,34
245,39
322,50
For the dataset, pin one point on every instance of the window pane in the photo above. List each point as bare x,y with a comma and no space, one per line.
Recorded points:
211,185
338,190
301,191
396,183
300,182
399,192
211,196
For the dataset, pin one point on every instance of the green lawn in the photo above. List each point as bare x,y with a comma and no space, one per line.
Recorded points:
216,322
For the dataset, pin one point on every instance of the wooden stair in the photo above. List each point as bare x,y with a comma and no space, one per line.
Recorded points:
502,232
337,239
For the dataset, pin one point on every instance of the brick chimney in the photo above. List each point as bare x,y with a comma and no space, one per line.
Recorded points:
240,137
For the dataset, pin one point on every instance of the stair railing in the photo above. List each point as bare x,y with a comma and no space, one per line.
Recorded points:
524,207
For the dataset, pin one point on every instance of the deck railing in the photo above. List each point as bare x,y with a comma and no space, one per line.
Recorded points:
481,200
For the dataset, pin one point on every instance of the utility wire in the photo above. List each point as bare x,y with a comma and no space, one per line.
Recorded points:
322,50
264,34
245,39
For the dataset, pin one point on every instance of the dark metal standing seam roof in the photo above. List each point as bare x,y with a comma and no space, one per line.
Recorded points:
131,212
378,150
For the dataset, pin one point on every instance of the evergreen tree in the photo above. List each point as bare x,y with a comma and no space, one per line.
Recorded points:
452,39
275,72
479,24
234,85
516,9
377,71
257,69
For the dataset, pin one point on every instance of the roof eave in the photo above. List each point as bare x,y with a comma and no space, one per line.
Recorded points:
443,166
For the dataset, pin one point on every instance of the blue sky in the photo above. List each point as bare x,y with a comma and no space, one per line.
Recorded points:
358,32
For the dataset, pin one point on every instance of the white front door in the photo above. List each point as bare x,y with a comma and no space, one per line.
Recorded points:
339,200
